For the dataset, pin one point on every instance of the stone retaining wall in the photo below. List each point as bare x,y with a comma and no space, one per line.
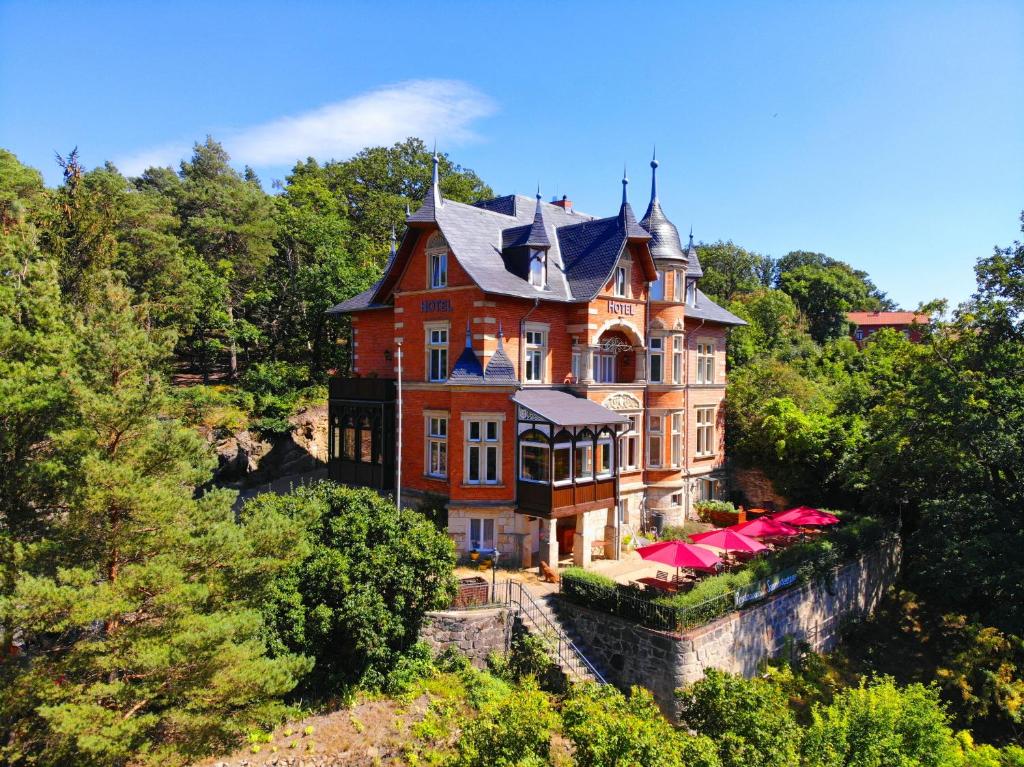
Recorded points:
629,654
475,633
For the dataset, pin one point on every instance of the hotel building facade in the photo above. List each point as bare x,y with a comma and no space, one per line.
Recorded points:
563,376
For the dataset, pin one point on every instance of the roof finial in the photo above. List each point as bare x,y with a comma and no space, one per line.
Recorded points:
625,183
691,236
435,181
500,333
394,241
654,175
538,191
469,336
408,210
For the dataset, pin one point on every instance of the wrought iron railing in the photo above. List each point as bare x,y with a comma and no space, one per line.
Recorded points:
564,651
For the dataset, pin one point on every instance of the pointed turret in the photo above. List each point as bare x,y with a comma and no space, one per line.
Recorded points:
538,237
693,263
633,230
665,244
433,202
499,367
467,367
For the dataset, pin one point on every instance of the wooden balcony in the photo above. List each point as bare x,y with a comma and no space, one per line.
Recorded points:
554,501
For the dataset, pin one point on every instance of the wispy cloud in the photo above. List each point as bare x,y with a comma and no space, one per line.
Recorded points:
441,109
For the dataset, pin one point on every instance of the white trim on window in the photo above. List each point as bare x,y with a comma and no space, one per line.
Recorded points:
676,439
435,461
677,359
621,280
535,353
655,435
437,261
656,358
436,340
482,437
630,458
705,362
705,431
658,286
481,533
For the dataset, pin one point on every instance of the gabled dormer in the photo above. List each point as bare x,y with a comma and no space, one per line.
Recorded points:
525,249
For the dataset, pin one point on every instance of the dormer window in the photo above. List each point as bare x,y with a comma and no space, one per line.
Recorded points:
691,292
437,260
538,269
621,286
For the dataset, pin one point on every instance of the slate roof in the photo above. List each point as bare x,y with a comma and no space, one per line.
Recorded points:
709,311
357,303
499,367
693,266
665,243
564,409
467,368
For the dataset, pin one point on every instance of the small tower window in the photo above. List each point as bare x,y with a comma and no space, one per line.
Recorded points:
691,292
437,259
538,269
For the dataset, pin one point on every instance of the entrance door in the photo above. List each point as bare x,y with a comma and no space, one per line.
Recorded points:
565,530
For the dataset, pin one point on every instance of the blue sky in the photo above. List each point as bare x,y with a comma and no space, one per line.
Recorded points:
889,135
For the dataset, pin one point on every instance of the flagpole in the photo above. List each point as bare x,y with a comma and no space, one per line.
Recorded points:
398,461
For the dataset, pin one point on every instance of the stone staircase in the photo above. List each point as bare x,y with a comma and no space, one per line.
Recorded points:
539,615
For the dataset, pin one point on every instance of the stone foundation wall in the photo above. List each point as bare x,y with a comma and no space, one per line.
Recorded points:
629,654
756,486
474,633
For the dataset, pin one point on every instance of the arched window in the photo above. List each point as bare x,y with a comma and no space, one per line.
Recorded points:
538,269
603,461
584,466
437,260
534,457
562,463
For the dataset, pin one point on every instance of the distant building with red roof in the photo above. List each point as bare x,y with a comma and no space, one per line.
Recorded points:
864,324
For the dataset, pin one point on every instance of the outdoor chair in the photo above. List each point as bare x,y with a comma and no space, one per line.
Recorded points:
663,575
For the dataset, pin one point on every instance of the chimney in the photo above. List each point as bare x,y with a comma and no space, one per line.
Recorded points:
565,203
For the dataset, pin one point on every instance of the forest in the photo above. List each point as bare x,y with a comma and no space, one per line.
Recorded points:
144,621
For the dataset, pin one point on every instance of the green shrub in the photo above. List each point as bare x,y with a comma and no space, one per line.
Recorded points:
356,599
748,720
277,389
879,723
608,729
705,509
511,732
527,657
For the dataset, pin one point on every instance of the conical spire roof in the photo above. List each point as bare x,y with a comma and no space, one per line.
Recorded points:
433,201
693,263
538,237
499,367
627,217
665,243
467,367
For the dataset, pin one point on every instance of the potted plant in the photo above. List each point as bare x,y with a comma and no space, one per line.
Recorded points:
474,554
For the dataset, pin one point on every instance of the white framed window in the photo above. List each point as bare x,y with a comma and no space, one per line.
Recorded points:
481,533
603,458
437,352
534,462
656,355
677,359
623,511
538,269
437,446
535,354
705,431
577,366
604,367
676,443
483,451
562,465
678,285
691,292
584,454
620,282
658,287
708,489
858,334
655,435
677,499
630,458
705,363
437,261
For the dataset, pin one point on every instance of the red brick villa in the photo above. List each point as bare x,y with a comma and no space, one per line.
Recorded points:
562,375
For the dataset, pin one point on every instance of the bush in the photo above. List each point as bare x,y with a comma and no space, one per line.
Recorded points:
527,657
223,409
716,512
608,729
515,731
748,720
277,389
879,723
356,599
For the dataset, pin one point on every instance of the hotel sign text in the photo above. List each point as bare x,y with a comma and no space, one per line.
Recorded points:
436,305
620,307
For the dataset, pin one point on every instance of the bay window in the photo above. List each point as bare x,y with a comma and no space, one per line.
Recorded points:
677,439
603,459
677,359
534,460
657,357
655,434
562,460
658,287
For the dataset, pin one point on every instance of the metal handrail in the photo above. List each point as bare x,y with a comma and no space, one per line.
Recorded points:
566,651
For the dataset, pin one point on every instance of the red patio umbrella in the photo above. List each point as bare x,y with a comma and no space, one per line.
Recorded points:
680,554
728,540
764,527
805,515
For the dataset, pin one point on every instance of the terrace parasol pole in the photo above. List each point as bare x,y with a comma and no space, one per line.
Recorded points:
398,462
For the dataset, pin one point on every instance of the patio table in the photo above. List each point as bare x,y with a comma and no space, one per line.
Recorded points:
659,584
